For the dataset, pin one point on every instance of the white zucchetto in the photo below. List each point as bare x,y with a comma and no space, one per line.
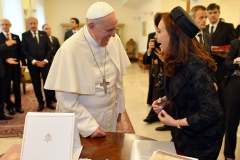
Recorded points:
98,10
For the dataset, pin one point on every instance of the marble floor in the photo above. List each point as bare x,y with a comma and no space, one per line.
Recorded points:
136,88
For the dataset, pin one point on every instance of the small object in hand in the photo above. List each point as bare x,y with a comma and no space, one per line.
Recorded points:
160,107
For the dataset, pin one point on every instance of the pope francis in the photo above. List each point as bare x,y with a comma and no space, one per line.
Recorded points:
87,73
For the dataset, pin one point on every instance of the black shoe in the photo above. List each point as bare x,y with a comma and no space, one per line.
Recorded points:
163,128
40,108
19,110
151,119
11,112
49,105
5,117
54,99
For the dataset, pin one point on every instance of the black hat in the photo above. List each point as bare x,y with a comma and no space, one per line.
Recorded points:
185,22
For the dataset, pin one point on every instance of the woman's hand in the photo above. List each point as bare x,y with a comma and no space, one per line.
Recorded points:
159,104
166,119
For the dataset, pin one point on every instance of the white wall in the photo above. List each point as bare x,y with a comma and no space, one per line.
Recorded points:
153,6
230,11
1,14
60,11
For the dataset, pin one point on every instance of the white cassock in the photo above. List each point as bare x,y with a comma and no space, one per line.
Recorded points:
76,78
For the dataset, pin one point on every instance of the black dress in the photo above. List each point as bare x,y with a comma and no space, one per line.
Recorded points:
192,91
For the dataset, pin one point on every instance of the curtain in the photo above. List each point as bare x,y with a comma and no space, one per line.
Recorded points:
12,10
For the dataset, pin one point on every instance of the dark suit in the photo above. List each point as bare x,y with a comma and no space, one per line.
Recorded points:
222,36
3,48
12,71
192,91
55,45
207,43
238,31
37,51
68,34
232,100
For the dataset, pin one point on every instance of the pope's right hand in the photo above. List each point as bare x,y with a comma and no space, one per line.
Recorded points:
99,132
10,42
159,104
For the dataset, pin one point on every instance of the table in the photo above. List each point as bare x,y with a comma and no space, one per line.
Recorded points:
115,146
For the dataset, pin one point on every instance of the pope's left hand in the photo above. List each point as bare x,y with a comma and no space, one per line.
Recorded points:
119,117
166,119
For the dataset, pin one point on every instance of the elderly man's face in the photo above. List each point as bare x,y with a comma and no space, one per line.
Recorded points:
105,29
47,29
5,25
33,24
200,18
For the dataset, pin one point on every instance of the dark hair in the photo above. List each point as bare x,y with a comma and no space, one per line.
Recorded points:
195,9
157,18
75,19
44,25
180,46
212,6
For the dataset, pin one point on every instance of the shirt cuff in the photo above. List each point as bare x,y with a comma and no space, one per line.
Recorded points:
45,60
33,62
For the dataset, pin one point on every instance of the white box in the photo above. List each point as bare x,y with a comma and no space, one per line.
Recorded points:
50,136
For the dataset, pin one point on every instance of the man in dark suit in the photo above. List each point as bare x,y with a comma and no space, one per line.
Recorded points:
148,58
221,34
12,71
3,48
36,47
74,25
199,15
55,45
232,99
152,59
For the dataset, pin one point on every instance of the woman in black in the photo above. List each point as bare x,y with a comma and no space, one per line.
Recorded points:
188,83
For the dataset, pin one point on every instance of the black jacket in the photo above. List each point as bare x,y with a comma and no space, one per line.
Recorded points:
192,91
234,52
222,36
39,51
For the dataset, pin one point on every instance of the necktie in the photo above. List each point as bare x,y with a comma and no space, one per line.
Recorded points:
50,39
211,32
35,37
7,36
200,38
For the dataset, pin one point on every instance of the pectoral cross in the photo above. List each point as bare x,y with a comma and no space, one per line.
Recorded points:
104,84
